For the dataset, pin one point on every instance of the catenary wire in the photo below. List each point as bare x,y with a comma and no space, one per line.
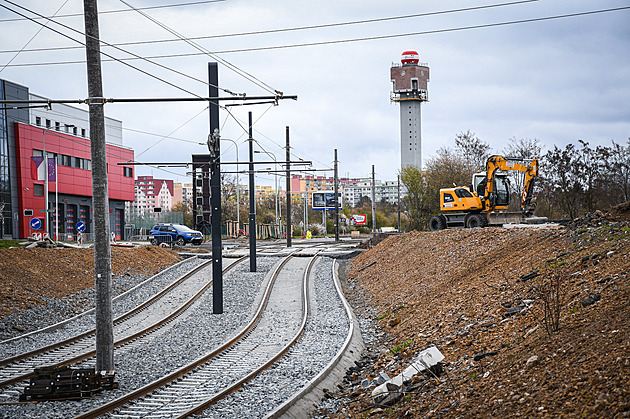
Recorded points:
361,39
103,53
198,47
104,12
300,28
41,28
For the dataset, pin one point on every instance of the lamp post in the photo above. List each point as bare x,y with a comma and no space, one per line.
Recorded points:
275,175
57,192
238,187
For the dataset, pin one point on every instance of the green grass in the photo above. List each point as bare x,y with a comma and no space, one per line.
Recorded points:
399,348
8,243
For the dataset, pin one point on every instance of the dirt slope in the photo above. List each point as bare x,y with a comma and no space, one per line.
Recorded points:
27,274
457,289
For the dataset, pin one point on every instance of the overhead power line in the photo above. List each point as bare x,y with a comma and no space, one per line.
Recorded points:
301,28
349,40
105,12
82,43
198,47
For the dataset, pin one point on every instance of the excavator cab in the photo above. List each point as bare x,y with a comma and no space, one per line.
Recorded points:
500,197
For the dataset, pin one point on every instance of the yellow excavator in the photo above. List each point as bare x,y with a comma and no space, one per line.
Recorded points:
485,201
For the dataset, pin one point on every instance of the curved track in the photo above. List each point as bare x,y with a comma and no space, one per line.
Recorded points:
257,346
127,328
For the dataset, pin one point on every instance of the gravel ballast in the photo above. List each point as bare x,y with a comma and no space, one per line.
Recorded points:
165,351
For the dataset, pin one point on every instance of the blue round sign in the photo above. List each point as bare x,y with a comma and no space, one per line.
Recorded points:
80,226
36,223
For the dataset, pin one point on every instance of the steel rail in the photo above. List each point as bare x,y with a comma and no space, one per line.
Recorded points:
123,341
238,384
90,332
181,372
354,334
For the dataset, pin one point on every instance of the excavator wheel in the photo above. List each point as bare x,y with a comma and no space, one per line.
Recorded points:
437,223
474,221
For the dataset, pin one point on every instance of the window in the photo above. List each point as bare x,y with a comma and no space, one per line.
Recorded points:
462,193
38,121
82,132
38,153
448,197
127,172
74,131
38,190
57,126
48,123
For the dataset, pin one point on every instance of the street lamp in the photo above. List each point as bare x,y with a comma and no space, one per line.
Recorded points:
275,175
238,187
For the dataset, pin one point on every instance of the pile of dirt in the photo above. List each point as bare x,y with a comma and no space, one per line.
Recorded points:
28,274
486,299
619,212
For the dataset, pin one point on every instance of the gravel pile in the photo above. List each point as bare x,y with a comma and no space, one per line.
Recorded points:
326,330
163,352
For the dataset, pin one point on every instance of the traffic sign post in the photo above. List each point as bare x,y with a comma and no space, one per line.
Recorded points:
36,223
80,226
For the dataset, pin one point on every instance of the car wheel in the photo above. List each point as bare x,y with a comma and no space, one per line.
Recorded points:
180,241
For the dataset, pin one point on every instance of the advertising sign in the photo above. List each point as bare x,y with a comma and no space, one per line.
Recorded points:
358,220
325,200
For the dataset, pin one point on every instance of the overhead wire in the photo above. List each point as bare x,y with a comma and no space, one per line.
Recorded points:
198,47
103,53
309,27
360,39
104,12
41,28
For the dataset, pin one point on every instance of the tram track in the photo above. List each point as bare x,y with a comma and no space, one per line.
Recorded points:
190,389
80,347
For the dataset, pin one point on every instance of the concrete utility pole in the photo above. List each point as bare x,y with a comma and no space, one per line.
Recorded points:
214,146
100,198
373,203
336,182
399,204
252,200
288,158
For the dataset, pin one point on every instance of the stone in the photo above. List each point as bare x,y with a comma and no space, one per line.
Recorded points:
532,361
479,357
591,300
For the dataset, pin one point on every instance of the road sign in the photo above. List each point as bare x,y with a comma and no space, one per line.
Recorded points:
36,223
80,226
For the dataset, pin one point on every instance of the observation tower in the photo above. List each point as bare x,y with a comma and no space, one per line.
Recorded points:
410,79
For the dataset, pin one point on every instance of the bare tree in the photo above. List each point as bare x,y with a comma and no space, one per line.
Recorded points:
474,151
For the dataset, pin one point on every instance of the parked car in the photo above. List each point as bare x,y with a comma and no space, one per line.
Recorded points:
175,233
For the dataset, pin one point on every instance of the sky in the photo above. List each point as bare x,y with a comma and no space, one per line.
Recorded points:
555,80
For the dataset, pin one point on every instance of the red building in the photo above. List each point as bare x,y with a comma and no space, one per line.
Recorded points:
69,182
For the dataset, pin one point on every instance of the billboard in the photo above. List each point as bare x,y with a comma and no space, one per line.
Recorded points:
358,220
325,200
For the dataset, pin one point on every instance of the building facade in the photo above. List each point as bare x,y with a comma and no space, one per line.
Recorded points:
49,149
152,193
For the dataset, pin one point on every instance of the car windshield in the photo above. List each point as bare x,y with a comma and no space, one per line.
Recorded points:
182,228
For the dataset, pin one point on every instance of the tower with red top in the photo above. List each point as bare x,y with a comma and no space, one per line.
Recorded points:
410,79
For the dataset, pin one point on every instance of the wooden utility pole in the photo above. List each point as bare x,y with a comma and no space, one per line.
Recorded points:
288,159
100,197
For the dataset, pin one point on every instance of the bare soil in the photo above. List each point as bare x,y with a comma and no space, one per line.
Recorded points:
457,289
28,274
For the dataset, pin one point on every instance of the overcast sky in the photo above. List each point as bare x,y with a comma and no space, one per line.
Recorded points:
557,80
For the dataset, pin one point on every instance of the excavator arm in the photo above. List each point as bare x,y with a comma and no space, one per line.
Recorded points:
495,163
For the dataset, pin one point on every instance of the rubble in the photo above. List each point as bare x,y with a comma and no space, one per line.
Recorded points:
453,288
